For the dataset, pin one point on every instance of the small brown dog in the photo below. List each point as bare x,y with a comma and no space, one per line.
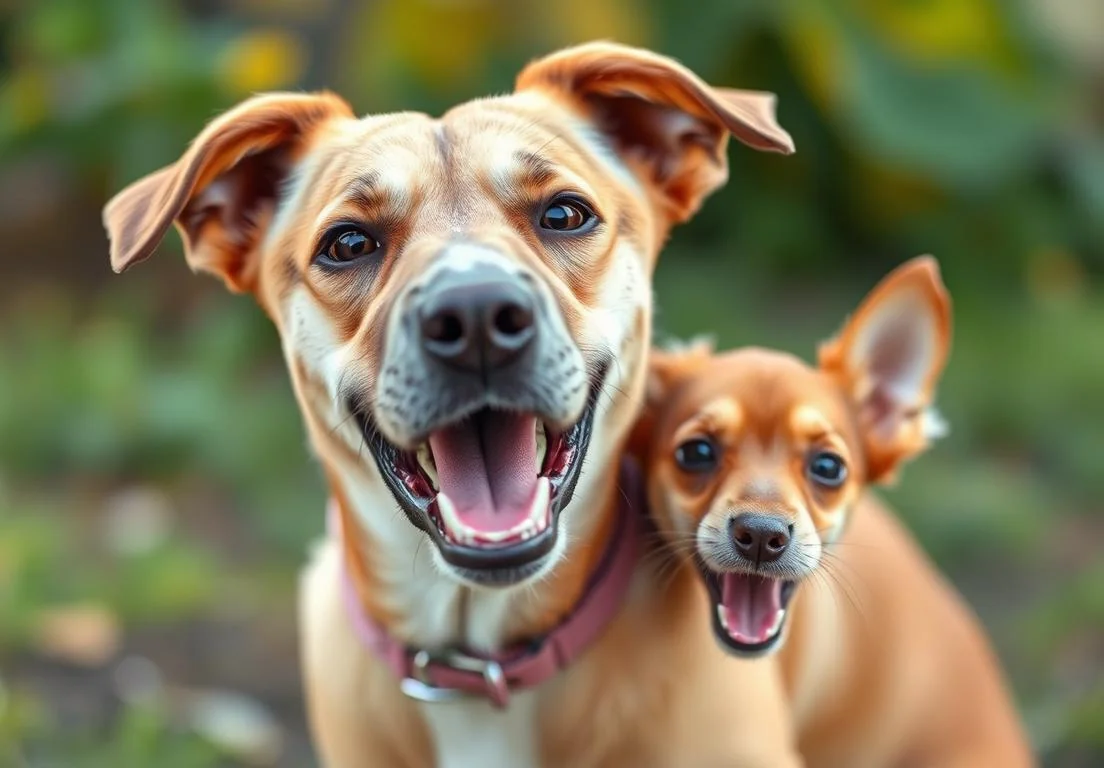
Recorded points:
452,294
757,466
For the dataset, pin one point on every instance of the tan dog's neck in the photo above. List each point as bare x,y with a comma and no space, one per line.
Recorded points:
400,588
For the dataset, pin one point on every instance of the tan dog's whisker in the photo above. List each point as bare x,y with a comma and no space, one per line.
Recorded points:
666,565
348,417
417,551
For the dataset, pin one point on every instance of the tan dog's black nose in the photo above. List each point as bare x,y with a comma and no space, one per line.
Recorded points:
478,319
760,538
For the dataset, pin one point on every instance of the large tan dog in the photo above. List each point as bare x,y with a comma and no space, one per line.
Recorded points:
465,308
757,470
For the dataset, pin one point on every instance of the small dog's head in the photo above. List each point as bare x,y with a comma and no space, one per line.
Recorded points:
451,292
754,457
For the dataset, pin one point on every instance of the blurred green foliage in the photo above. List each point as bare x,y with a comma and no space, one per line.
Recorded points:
971,129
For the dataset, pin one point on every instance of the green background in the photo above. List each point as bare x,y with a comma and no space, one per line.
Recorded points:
156,493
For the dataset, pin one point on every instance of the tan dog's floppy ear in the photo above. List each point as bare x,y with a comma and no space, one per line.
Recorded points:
222,191
889,357
664,120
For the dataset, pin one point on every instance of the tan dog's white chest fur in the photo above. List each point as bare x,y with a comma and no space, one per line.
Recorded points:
472,733
464,308
465,733
606,712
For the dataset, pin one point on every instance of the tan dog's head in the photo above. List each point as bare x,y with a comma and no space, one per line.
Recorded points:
754,457
453,293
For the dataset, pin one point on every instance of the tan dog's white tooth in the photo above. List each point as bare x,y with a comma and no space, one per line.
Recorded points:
496,536
534,523
721,616
428,465
778,617
539,512
542,445
448,516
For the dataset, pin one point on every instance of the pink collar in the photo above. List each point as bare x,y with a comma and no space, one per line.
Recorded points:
454,673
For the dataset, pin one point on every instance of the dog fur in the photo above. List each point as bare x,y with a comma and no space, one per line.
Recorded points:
643,141
883,662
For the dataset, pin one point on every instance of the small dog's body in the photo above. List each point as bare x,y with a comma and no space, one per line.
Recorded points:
757,466
465,308
885,664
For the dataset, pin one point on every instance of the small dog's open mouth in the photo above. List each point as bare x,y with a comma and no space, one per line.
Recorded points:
749,609
488,488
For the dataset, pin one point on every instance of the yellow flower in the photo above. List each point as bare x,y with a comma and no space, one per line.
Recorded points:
574,21
445,43
24,99
815,47
261,61
974,31
944,29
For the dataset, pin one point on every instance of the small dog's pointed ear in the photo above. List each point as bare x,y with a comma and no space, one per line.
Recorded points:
889,357
676,361
221,192
666,369
667,124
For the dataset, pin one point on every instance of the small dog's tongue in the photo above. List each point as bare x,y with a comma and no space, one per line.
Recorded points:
487,468
750,605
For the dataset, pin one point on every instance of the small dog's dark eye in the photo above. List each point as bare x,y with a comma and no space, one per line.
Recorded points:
349,245
827,469
697,455
567,214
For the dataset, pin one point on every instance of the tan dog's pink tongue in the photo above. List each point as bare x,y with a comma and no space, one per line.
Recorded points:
750,605
487,467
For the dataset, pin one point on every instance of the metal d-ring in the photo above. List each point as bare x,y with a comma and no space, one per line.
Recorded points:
419,686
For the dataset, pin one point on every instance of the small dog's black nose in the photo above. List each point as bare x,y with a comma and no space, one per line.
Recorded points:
760,538
479,319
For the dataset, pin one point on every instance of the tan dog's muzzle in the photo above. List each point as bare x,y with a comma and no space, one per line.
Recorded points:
483,410
478,330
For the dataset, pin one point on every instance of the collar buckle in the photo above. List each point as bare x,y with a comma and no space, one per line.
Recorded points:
420,686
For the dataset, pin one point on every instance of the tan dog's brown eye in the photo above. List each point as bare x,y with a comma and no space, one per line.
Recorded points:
347,246
698,455
567,214
827,469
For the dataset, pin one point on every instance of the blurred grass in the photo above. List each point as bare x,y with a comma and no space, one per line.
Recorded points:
153,467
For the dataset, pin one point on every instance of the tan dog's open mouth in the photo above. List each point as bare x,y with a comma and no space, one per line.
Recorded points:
488,488
749,609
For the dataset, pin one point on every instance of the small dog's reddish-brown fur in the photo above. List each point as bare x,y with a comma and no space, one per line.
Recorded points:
884,664
640,139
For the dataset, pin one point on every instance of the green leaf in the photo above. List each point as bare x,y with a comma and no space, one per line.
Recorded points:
961,126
